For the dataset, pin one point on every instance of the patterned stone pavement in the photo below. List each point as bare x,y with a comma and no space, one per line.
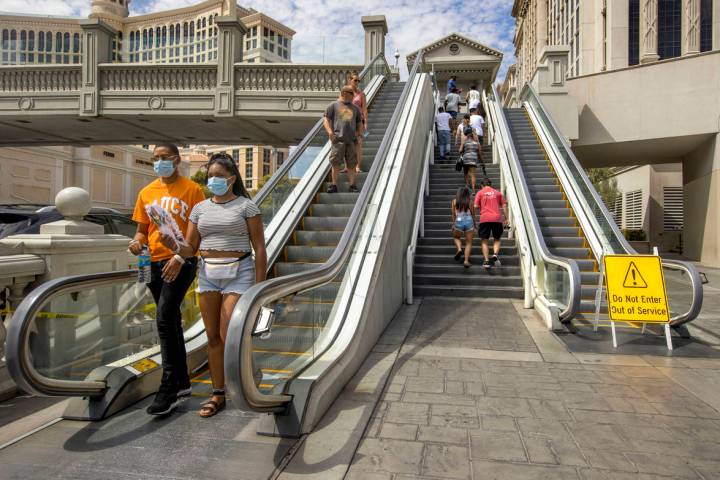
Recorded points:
472,397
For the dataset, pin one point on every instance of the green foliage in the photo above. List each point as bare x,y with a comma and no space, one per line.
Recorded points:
635,235
200,177
605,184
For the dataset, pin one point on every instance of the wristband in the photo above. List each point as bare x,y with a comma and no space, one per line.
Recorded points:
178,258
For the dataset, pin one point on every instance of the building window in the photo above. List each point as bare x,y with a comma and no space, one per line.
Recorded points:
236,155
672,208
248,163
633,210
266,162
669,19
280,158
634,33
706,30
248,184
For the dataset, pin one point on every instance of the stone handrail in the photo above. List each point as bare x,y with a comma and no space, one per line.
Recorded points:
160,77
40,78
292,77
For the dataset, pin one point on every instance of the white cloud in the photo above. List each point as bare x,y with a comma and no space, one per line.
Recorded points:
68,8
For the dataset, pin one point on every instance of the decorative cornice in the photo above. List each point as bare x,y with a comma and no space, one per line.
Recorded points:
455,37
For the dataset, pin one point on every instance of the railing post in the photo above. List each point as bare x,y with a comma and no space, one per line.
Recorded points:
97,48
230,32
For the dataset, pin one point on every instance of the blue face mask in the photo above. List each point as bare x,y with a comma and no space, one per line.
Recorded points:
164,168
218,185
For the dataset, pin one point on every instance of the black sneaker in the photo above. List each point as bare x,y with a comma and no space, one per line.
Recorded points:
184,389
494,260
166,400
353,189
332,189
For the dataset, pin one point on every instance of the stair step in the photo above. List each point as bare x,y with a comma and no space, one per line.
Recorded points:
468,291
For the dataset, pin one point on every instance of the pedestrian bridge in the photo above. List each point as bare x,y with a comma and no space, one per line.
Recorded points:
144,103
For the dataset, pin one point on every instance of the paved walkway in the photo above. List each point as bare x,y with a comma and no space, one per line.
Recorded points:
479,391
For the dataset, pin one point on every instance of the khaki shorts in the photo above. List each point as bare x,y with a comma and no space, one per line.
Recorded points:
343,153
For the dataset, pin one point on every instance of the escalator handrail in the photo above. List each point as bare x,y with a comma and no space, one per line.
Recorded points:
19,362
302,146
238,364
672,264
546,256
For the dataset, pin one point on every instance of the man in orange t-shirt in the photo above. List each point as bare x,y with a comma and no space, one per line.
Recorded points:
171,275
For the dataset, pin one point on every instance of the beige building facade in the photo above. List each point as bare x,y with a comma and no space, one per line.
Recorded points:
114,174
633,83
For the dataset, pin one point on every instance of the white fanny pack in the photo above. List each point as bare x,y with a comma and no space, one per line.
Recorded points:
222,268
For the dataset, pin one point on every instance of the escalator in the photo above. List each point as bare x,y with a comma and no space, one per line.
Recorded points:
311,243
566,228
559,226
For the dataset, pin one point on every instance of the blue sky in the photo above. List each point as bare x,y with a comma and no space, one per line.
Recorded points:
331,30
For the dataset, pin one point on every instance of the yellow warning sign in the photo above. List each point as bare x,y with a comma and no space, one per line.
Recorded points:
636,289
144,365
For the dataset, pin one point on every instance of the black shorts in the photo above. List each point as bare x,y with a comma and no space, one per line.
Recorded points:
466,168
487,228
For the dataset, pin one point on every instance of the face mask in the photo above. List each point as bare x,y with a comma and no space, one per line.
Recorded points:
218,185
164,168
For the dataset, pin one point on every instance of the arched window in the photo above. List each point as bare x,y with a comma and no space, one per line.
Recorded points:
185,32
199,24
192,31
144,38
172,35
66,42
4,46
58,42
204,23
23,46
157,36
48,43
150,37
31,46
76,43
132,41
137,40
210,20
164,36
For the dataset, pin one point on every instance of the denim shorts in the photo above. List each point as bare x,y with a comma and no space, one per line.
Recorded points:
443,137
245,279
464,223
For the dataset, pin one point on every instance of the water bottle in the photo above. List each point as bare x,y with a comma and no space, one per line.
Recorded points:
144,265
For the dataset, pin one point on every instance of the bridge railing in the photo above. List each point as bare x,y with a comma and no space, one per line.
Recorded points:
161,76
40,78
292,76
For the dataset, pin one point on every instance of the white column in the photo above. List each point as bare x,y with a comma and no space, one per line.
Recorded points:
97,48
648,31
618,35
375,30
716,25
690,36
230,32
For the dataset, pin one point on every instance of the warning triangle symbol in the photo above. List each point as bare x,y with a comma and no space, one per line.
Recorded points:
633,279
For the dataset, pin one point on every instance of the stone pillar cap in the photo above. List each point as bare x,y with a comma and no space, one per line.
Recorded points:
73,203
375,21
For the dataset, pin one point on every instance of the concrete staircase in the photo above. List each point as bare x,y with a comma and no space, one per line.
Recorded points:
436,272
301,319
560,228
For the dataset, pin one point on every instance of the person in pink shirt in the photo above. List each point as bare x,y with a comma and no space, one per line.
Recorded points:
489,203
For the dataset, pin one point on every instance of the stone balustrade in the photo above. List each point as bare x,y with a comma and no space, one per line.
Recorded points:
291,77
158,77
40,78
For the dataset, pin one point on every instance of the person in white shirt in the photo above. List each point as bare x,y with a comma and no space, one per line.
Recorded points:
477,122
442,125
473,98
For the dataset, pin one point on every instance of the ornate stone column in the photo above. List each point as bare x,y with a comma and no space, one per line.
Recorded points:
690,27
96,49
230,31
375,30
648,31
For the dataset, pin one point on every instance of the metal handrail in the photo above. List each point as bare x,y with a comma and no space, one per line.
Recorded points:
302,146
566,263
245,314
19,361
418,228
696,305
